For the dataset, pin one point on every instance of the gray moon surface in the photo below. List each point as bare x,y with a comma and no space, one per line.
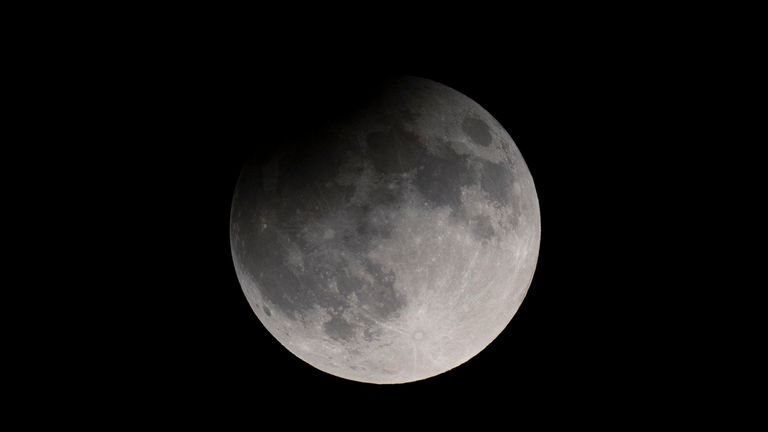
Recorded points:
394,246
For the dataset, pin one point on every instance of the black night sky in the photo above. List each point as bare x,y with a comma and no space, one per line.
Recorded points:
573,330
590,114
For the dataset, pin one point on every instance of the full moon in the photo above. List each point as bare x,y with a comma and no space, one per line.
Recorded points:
394,244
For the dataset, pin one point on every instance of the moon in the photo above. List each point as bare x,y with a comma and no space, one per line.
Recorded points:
396,243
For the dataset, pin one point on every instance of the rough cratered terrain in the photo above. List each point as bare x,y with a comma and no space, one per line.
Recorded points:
395,245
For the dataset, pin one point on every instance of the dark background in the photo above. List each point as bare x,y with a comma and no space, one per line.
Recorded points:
598,108
582,333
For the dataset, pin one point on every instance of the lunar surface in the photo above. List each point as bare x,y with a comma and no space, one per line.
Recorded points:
394,246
